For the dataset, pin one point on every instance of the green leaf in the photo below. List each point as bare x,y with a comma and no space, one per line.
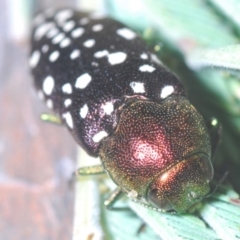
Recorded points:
229,9
221,215
225,57
187,24
169,226
124,225
218,212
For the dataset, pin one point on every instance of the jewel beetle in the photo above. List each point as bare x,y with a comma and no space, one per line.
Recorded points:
121,104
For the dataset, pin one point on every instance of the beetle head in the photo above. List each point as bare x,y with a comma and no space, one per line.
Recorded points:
181,185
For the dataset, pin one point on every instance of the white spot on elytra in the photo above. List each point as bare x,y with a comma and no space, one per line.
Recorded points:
78,32
97,27
166,91
84,21
48,85
95,64
156,59
144,56
116,58
146,68
65,42
101,54
67,88
63,16
97,15
75,54
67,102
53,32
54,56
38,19
126,33
99,136
108,108
45,48
89,43
58,38
68,117
34,59
68,26
137,87
49,12
42,30
83,81
40,95
83,111
49,103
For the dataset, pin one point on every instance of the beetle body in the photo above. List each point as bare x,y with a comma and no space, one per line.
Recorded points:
120,103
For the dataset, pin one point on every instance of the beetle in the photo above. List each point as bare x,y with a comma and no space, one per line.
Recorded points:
121,104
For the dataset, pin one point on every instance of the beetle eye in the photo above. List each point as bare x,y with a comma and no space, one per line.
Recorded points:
157,200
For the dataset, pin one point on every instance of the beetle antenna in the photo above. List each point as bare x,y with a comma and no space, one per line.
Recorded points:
220,181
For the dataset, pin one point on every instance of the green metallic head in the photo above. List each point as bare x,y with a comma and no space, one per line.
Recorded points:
182,185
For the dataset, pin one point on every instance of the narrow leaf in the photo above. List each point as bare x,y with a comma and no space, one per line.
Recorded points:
225,57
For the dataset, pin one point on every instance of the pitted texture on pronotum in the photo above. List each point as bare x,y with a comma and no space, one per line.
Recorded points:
151,138
116,98
84,67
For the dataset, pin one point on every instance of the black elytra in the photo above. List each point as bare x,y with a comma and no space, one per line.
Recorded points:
86,67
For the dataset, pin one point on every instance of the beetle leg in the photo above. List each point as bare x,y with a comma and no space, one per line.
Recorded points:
47,117
215,130
219,183
113,198
117,193
141,228
90,170
85,171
